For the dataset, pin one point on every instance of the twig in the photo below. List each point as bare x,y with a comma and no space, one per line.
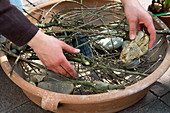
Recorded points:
160,58
31,15
167,32
123,71
31,3
13,66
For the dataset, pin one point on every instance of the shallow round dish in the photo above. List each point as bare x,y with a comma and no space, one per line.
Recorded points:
98,103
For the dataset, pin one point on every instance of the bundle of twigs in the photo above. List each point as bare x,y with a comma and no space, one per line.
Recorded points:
99,69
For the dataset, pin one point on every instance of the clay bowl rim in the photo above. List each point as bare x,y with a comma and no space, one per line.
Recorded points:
81,99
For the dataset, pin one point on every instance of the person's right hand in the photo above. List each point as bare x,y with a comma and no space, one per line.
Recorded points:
137,16
50,52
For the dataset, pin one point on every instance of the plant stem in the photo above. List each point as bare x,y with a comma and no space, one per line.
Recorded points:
123,71
161,14
13,66
167,32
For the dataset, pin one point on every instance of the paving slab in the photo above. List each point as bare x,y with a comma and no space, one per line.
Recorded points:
143,102
12,98
166,99
28,107
11,95
154,107
162,86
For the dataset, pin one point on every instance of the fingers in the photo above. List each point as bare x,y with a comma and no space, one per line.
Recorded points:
66,70
133,25
59,65
152,39
139,27
151,30
70,49
58,69
132,28
63,67
69,69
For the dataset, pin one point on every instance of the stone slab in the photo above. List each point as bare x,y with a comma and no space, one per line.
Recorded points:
28,107
154,107
146,100
162,86
166,99
11,95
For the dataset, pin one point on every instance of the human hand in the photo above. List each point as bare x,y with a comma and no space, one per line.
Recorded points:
50,52
136,16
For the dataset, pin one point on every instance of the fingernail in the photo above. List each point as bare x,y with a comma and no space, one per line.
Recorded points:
77,50
132,36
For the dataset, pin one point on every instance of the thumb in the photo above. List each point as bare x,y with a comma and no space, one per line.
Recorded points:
70,49
132,29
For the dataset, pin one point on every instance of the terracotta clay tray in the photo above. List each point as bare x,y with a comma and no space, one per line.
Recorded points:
98,103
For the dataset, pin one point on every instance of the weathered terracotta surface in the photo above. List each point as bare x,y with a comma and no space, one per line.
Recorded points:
166,20
98,103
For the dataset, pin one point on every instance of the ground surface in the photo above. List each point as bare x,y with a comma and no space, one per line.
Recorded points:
13,100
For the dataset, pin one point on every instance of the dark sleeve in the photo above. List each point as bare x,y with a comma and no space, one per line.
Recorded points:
14,25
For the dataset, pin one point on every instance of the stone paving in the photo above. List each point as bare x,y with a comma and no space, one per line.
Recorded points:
13,100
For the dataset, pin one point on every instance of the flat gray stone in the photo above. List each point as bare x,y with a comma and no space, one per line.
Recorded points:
166,99
11,95
59,87
110,43
143,102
